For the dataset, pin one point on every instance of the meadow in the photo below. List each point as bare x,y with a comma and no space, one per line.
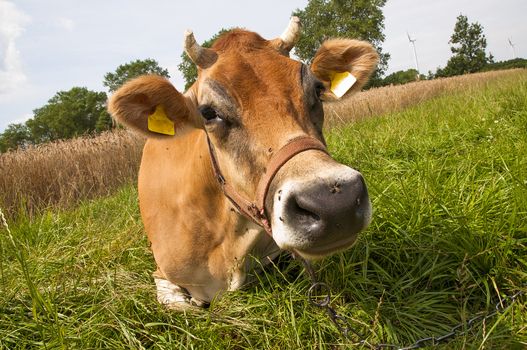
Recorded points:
447,175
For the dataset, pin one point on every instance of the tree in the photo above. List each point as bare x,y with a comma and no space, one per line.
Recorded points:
468,48
402,77
509,64
68,114
14,136
188,68
104,122
131,70
360,19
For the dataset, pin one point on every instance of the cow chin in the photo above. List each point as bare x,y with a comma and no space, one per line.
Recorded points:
322,213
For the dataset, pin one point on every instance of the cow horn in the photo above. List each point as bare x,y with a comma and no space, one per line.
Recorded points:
201,56
291,34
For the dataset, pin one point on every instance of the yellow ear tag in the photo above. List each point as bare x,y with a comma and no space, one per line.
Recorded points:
341,83
158,122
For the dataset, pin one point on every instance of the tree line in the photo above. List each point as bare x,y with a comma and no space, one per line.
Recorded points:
81,111
75,112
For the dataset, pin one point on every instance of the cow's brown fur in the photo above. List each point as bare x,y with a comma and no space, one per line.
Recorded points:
139,98
340,55
199,241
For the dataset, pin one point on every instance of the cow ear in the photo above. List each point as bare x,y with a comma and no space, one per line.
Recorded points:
344,66
151,105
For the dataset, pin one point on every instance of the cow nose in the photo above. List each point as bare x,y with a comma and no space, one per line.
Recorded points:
325,208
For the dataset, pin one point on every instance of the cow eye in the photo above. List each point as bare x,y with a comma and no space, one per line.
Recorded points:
209,113
319,89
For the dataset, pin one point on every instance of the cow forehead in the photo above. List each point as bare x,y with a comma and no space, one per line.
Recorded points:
257,74
249,66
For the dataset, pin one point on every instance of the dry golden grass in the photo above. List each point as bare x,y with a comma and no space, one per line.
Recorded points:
62,173
390,99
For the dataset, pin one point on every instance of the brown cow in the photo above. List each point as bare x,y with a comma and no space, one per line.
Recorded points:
250,102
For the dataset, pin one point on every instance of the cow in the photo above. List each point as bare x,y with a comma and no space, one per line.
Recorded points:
236,168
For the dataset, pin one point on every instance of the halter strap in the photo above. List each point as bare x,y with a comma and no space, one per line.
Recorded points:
255,210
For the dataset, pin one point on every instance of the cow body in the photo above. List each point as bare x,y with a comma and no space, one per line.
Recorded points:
196,237
249,102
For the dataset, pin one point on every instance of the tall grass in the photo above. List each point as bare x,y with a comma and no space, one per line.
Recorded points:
391,99
61,173
448,181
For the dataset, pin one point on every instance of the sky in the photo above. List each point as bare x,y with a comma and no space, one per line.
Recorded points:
54,45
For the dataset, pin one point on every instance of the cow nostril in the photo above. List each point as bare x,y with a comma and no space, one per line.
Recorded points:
302,212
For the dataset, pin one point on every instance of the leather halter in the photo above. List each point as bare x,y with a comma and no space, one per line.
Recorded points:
255,210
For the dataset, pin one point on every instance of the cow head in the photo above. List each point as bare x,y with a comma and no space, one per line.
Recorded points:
251,99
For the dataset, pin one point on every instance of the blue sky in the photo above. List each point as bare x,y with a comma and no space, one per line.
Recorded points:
53,45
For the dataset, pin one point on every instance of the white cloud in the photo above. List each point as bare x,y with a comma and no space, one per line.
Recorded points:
12,22
66,23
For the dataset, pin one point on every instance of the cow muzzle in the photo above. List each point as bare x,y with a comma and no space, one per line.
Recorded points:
321,211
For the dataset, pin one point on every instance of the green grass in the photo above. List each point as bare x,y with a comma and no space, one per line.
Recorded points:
448,181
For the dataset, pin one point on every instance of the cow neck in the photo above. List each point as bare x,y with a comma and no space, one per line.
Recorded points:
255,210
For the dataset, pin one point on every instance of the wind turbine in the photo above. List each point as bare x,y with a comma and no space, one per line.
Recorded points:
412,42
512,47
